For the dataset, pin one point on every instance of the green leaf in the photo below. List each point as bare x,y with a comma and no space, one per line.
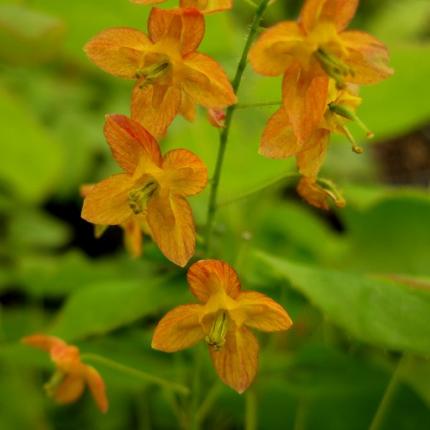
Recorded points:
384,313
31,160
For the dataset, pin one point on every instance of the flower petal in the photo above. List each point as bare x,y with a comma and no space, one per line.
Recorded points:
170,220
155,107
186,173
318,196
133,236
305,99
339,12
275,49
118,51
205,81
127,140
97,387
208,6
178,329
237,361
263,313
188,107
278,140
367,56
310,160
146,2
43,342
185,27
206,277
107,202
70,389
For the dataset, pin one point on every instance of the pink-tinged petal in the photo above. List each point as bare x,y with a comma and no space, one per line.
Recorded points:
263,313
171,223
367,56
119,51
186,174
129,141
179,329
305,100
207,277
155,107
97,387
205,82
275,50
237,361
184,27
108,203
279,140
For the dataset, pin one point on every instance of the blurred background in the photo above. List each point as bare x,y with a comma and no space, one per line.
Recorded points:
356,281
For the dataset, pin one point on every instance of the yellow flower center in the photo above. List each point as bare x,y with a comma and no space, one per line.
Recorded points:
218,331
138,197
157,66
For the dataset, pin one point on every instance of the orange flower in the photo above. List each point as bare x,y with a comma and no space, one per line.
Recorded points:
68,382
204,6
133,228
151,187
279,141
313,49
223,319
171,76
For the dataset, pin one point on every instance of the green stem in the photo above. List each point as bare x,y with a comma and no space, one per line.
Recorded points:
256,105
194,418
226,130
250,410
387,398
208,402
144,376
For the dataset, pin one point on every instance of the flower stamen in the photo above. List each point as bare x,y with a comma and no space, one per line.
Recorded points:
138,197
218,331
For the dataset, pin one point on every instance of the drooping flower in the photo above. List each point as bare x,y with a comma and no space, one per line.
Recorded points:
152,187
311,51
223,319
279,141
204,6
133,228
172,77
68,382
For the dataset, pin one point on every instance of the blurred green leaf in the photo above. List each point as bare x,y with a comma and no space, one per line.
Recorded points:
385,313
31,160
28,36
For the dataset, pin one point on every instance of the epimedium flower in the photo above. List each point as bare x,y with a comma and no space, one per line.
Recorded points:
172,77
204,6
152,189
68,382
311,51
223,319
279,141
133,228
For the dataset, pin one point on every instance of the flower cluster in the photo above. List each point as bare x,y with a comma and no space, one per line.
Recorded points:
322,64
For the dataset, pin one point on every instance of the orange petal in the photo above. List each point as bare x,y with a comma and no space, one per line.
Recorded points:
237,361
274,51
367,56
318,196
278,140
97,387
205,81
107,203
208,6
312,157
128,140
187,107
133,236
178,329
186,174
339,12
206,277
170,220
43,342
146,2
155,107
216,117
118,51
70,389
305,100
184,27
263,313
